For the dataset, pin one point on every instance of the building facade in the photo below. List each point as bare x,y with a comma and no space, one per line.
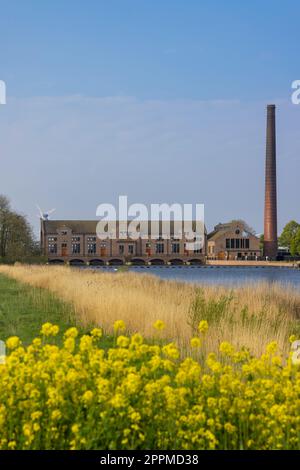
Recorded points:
76,242
232,241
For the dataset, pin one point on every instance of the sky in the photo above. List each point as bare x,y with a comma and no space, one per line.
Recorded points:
160,100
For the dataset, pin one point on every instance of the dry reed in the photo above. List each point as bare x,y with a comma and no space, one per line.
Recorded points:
249,316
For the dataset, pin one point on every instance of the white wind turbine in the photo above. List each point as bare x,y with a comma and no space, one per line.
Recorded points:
44,215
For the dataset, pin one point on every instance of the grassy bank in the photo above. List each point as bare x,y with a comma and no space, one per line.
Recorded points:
24,309
250,316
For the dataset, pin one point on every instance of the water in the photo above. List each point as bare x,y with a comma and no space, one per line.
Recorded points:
220,275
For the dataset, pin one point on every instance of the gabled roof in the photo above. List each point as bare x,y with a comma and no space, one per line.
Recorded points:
221,229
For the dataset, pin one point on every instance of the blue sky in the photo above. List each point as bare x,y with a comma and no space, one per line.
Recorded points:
161,100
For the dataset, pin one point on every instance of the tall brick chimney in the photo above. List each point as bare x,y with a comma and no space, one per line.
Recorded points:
270,221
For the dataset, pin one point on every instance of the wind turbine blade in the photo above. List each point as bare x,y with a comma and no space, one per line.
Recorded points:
51,211
40,211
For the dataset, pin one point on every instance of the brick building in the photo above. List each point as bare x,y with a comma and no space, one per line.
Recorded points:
232,241
76,242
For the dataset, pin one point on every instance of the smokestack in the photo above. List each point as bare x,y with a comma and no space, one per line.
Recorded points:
270,222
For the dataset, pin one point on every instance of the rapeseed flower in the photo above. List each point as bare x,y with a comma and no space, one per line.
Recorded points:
139,395
159,325
195,342
203,326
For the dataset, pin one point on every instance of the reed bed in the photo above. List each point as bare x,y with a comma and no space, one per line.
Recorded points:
250,316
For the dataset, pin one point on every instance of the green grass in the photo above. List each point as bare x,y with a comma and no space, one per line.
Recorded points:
23,310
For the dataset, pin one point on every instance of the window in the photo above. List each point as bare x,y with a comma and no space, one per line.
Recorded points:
121,249
52,248
130,249
75,239
91,248
175,248
159,248
75,248
52,239
198,250
242,243
232,243
237,232
247,243
91,239
237,243
227,243
64,232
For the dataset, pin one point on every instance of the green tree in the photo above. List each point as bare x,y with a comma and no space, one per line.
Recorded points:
261,241
295,244
288,234
16,237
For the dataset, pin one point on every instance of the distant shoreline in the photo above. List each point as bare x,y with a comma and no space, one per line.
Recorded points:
276,264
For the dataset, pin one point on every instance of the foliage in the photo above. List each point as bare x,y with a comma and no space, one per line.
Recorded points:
290,237
141,396
261,242
213,309
16,237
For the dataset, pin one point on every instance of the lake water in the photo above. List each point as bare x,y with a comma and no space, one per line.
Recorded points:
222,275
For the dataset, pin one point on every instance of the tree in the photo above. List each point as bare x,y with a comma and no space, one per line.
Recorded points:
295,244
16,237
261,242
288,234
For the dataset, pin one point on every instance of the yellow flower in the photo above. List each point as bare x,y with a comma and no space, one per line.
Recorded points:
48,329
203,326
71,333
85,343
171,351
36,415
229,428
136,339
159,325
55,415
122,341
118,401
96,333
87,397
292,338
272,347
13,342
27,430
119,325
195,342
69,344
75,429
226,348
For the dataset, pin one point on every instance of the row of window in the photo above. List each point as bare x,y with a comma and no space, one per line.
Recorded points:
237,243
92,248
94,239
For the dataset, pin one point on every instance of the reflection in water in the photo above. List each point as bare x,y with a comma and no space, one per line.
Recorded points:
223,275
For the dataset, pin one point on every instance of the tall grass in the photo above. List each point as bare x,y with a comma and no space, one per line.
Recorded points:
249,316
